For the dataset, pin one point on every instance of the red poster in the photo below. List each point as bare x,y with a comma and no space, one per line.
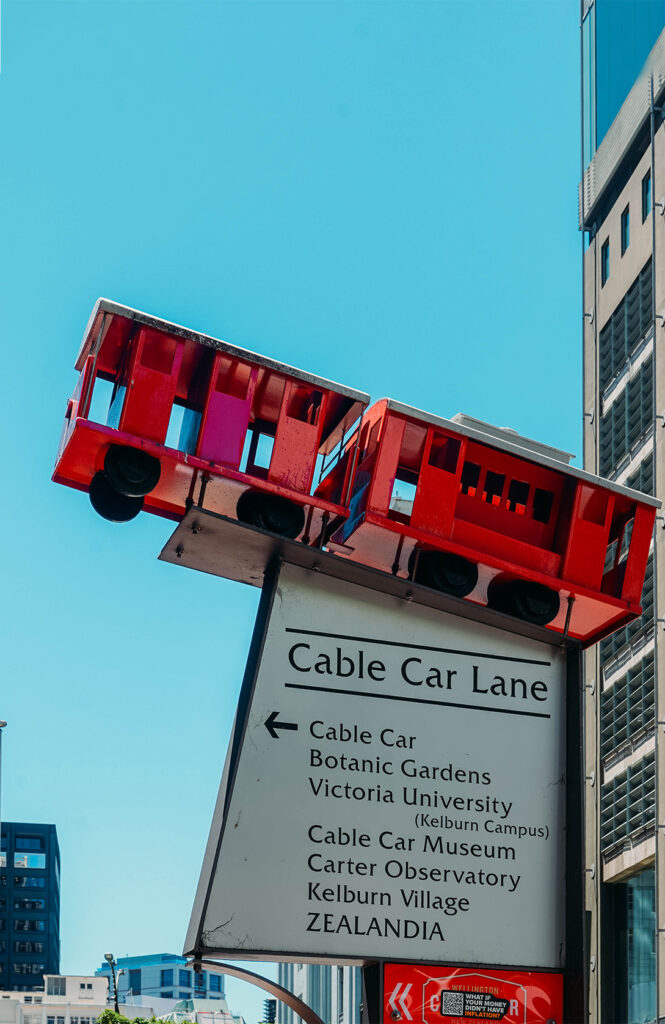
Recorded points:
470,995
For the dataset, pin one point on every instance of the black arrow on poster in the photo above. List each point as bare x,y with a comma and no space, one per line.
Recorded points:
272,724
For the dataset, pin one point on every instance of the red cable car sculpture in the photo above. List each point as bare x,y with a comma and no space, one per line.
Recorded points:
185,414
164,418
482,513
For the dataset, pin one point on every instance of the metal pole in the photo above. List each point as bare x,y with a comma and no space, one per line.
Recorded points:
652,126
2,726
115,988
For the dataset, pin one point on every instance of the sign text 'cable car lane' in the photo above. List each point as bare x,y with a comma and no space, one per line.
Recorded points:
419,758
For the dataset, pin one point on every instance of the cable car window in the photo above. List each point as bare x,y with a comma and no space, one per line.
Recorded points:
542,505
494,483
470,478
304,404
625,540
158,353
233,380
444,452
518,496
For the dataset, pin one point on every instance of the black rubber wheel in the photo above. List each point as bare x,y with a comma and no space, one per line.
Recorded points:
524,599
271,512
117,508
130,471
441,570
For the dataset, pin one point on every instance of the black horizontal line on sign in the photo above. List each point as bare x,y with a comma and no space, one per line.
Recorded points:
416,647
417,700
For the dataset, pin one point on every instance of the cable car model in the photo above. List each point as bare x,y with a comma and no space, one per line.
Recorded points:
481,513
164,418
162,415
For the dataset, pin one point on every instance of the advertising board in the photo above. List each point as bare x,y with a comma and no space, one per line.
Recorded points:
466,995
394,789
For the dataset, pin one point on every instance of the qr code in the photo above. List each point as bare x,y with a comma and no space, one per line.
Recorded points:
452,1003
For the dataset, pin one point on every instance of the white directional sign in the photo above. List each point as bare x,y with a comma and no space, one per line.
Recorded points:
395,789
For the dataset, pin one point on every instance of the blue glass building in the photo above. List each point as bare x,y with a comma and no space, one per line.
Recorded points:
164,975
29,905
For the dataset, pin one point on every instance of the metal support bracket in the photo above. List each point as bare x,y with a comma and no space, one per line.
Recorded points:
296,1005
591,779
590,416
591,871
589,317
591,687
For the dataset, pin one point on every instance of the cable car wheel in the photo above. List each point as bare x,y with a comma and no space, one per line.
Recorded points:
524,599
130,471
271,512
444,571
109,504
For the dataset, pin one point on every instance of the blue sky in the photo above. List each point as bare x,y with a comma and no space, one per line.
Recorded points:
382,193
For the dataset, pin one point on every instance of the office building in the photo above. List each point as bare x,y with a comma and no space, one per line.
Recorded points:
162,976
29,905
335,993
622,201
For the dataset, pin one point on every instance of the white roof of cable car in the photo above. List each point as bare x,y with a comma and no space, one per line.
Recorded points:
525,448
116,309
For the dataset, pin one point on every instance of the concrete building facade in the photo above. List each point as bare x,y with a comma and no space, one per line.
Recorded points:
29,905
75,999
621,214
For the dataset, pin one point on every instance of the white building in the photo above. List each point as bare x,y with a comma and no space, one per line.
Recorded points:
75,999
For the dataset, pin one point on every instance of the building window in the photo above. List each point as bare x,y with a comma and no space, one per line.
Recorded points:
135,981
28,843
340,992
184,978
23,924
604,262
625,230
184,995
30,947
215,983
166,995
25,904
200,979
634,955
55,986
646,196
30,881
167,977
28,968
30,860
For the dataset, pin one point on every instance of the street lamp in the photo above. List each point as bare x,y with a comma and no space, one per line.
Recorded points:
112,964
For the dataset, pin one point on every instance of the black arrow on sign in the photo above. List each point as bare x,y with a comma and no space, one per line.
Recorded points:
272,724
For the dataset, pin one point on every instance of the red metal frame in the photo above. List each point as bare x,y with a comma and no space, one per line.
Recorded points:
232,401
515,516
